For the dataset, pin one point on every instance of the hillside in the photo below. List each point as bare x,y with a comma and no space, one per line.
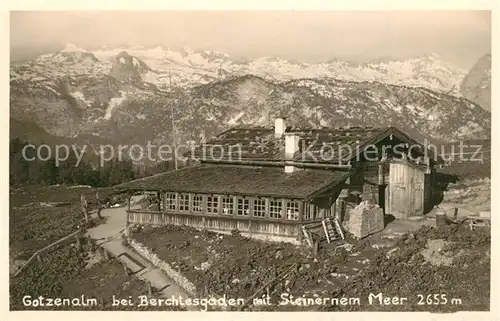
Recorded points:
30,131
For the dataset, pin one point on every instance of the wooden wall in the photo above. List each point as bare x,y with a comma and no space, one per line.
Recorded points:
401,188
371,181
250,225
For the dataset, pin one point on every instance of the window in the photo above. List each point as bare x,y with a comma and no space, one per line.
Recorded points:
184,202
243,207
213,204
307,214
227,205
309,211
197,203
259,207
276,209
292,210
170,200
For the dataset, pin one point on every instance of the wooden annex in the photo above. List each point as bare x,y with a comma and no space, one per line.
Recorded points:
268,182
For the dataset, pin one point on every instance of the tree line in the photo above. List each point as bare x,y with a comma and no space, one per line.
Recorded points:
24,171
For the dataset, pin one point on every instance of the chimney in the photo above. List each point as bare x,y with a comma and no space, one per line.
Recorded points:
279,127
291,147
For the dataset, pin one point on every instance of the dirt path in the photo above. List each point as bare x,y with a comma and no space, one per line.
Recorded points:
108,236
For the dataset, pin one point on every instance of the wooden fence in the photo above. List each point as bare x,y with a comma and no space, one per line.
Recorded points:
37,253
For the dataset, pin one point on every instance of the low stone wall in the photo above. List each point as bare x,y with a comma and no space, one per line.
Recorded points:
177,277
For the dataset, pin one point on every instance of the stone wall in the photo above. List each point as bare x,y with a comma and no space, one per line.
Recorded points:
365,219
177,277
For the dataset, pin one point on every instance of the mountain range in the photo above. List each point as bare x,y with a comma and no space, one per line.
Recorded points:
188,67
129,95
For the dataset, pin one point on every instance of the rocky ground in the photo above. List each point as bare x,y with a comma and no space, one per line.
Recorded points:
470,197
423,260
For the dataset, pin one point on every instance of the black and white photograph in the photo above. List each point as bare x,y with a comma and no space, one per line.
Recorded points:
250,161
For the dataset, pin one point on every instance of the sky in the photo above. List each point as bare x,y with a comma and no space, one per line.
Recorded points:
460,37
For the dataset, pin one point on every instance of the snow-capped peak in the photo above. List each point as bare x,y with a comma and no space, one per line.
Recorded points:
432,55
194,67
155,53
158,49
188,50
215,53
71,47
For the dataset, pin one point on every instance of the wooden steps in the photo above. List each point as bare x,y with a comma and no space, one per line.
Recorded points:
333,230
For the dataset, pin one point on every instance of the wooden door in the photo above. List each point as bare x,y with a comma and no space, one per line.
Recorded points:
416,192
398,190
406,190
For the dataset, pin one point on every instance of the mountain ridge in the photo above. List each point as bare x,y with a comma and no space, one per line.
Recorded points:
476,85
120,98
190,67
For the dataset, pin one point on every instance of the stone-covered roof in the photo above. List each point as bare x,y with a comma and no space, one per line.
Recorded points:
241,180
259,144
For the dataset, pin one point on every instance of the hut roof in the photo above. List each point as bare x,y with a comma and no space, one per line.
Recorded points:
335,145
241,180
